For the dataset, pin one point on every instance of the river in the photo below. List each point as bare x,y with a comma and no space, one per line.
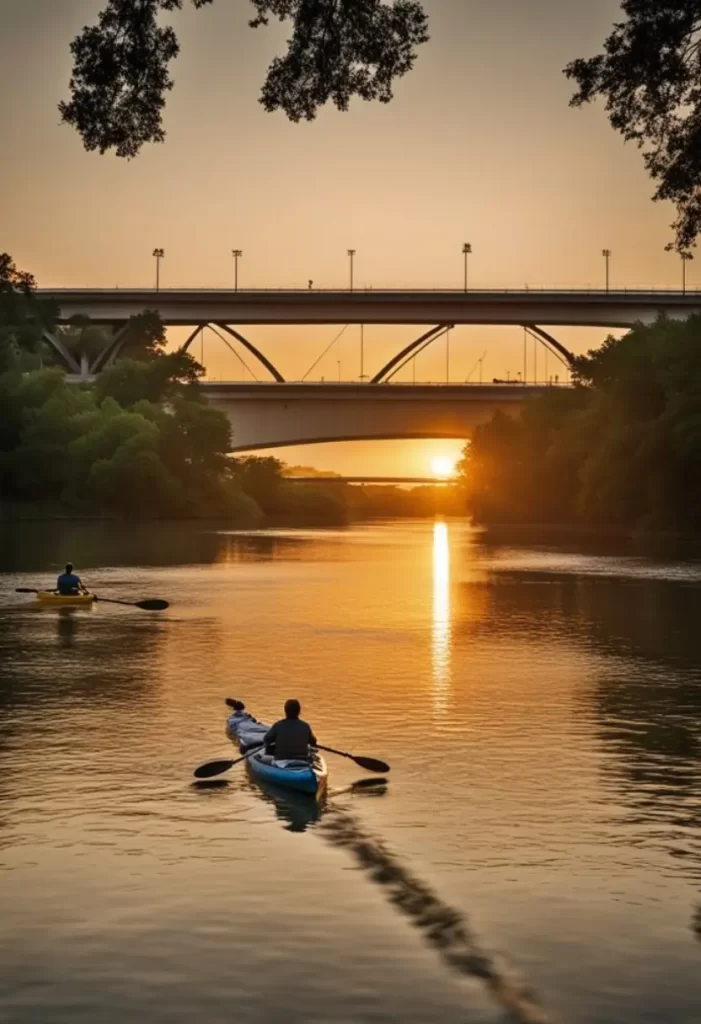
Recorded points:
537,850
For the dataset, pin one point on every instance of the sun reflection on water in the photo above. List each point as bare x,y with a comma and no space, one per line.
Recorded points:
441,638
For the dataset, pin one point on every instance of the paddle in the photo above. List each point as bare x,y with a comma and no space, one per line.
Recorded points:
370,764
206,771
150,605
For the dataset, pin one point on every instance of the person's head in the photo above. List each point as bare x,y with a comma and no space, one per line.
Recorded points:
292,708
69,567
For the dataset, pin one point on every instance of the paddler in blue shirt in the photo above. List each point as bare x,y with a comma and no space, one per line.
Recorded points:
68,583
290,738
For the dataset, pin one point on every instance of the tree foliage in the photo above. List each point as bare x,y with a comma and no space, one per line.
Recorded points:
23,317
649,76
338,49
621,449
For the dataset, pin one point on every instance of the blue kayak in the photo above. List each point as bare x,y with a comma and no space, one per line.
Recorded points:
303,776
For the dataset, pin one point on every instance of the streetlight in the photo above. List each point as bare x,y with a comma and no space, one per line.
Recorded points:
466,251
338,362
351,257
686,256
447,356
606,253
362,352
158,254
236,253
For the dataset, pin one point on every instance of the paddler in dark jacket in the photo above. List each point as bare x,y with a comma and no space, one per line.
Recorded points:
68,583
290,738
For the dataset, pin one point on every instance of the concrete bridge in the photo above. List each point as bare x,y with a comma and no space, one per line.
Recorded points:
198,308
395,481
276,415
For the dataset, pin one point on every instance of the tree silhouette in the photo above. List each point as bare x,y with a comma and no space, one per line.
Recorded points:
649,75
338,49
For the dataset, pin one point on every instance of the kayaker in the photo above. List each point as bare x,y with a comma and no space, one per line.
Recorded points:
290,738
68,583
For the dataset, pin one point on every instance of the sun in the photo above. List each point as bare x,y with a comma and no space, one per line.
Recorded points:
443,467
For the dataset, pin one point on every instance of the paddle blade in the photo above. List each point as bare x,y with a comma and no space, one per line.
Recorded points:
25,590
152,605
372,765
206,771
371,784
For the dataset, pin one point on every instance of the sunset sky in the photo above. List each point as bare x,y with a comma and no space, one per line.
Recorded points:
479,145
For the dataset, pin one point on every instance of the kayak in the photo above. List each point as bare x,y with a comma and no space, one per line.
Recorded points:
52,597
302,776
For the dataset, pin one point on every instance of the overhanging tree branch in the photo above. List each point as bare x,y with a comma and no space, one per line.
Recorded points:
338,49
649,76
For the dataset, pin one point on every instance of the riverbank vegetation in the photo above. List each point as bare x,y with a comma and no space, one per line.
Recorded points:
621,450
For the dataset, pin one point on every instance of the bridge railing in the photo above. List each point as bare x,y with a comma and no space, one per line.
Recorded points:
612,293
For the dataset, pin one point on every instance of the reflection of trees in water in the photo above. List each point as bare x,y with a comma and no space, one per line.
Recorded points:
648,705
45,547
51,657
648,619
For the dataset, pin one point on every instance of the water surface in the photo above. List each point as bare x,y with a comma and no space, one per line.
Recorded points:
541,830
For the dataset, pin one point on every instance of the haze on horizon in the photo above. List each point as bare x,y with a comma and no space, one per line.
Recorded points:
478,145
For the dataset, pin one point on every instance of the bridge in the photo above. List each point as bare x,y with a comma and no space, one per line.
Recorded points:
267,415
433,481
198,308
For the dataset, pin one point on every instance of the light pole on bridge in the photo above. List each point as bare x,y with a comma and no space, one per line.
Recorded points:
158,254
351,257
606,253
362,353
466,251
686,256
236,253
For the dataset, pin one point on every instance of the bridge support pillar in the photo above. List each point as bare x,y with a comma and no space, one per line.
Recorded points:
58,346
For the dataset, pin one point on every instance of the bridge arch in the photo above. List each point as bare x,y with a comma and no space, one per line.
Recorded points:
563,354
272,370
412,350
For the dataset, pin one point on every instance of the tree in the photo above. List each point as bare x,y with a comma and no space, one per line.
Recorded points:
145,336
261,477
621,449
338,49
650,78
83,338
23,317
133,380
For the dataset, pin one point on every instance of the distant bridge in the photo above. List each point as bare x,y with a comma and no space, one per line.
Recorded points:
394,480
276,415
198,308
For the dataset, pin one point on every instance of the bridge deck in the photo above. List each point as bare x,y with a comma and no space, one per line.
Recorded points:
190,307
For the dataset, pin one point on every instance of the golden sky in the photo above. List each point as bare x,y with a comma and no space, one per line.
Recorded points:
479,145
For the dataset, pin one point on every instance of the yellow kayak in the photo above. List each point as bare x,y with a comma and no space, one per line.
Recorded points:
51,597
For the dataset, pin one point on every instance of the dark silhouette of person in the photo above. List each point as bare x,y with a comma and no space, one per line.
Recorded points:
68,583
291,737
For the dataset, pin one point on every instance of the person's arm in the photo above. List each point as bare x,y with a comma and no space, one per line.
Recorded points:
312,739
270,735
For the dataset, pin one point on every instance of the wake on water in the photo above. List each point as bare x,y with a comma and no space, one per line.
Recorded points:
443,927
